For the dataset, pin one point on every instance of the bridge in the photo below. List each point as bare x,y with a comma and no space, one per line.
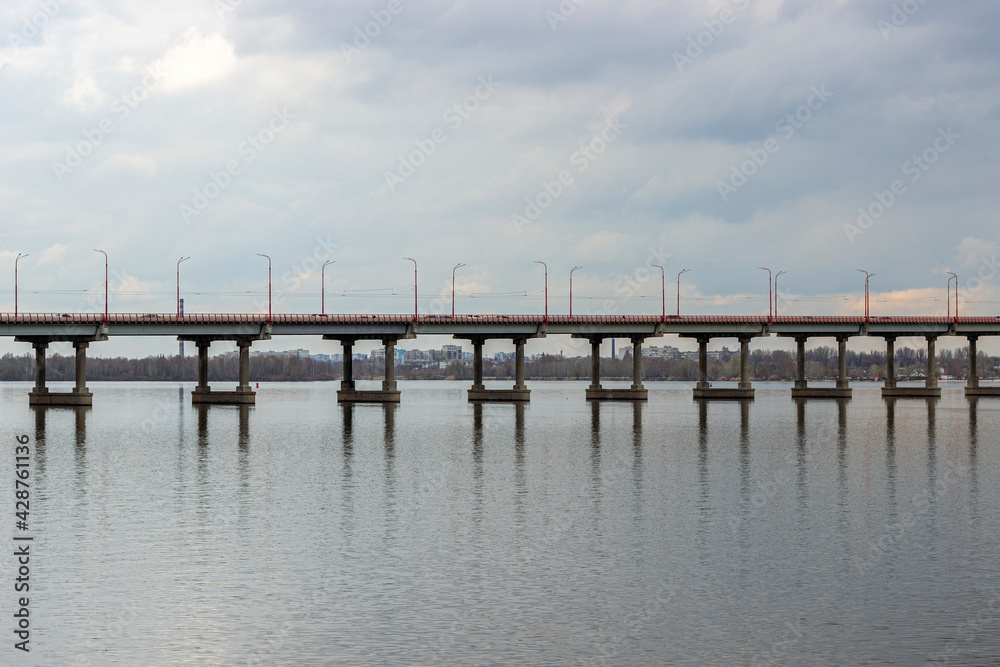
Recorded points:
83,329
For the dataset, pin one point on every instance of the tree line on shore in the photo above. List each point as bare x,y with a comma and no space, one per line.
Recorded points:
821,362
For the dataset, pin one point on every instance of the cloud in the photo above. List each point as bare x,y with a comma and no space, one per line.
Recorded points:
197,61
52,254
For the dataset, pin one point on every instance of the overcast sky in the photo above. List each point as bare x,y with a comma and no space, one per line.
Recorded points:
716,136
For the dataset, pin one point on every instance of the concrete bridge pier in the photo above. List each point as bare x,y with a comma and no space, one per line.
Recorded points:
80,395
802,388
204,394
389,393
478,392
595,392
930,388
743,391
972,387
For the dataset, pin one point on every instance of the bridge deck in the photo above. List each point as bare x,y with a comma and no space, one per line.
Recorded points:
595,326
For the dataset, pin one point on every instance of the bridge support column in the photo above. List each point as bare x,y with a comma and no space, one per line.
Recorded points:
972,387
800,363
349,393
519,392
598,393
744,363
703,363
477,365
244,385
930,387
842,362
79,395
204,394
519,365
81,369
890,363
40,387
637,364
743,391
932,381
802,388
347,383
202,365
389,383
595,363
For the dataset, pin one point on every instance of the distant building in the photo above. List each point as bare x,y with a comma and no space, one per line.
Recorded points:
418,358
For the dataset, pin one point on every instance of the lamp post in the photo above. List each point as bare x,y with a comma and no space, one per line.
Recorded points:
16,259
776,291
770,303
683,271
663,293
322,289
457,267
546,320
867,277
179,284
268,286
105,283
948,290
414,287
571,289
956,299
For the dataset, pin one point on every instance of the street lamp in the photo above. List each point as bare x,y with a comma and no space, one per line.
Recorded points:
770,303
571,289
322,289
268,286
683,271
414,287
179,284
105,283
867,277
663,292
457,267
546,320
16,259
776,291
948,290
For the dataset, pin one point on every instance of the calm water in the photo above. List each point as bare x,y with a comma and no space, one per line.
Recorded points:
672,533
